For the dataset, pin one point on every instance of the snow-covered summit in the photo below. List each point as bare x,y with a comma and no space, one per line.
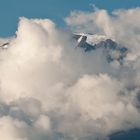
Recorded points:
93,38
113,50
4,42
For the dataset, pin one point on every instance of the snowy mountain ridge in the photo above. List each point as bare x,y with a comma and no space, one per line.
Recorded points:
112,49
90,42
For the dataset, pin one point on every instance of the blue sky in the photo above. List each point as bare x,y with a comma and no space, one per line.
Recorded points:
11,10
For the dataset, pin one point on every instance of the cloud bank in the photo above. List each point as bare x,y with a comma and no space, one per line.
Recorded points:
121,25
50,90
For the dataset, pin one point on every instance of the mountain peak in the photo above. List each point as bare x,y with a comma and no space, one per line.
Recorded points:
113,50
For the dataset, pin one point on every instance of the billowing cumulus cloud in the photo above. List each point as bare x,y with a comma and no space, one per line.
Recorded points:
121,25
51,90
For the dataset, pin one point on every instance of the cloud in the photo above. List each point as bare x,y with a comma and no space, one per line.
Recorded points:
121,25
51,90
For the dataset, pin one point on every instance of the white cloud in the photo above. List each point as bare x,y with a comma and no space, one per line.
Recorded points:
12,129
50,90
121,25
